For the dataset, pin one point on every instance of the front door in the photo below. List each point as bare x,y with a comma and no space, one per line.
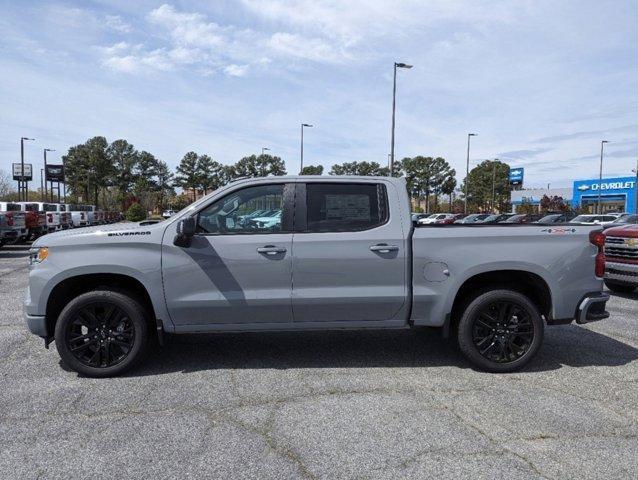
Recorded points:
237,269
349,261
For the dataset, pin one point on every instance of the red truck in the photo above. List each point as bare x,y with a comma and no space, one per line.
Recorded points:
36,221
621,258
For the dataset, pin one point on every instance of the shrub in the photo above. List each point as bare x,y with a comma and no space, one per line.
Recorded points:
135,213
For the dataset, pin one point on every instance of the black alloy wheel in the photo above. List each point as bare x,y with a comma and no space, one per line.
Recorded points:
502,331
100,335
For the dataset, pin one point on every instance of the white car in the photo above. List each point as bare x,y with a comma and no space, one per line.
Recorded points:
268,221
603,219
168,213
435,218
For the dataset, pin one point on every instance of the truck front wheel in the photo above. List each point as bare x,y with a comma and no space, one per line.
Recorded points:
101,333
500,331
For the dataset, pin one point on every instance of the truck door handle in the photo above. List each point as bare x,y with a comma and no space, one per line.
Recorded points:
271,250
384,248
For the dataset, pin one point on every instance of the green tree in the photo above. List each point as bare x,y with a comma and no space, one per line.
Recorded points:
427,176
448,186
367,169
312,170
88,168
187,173
164,183
211,174
124,158
135,213
488,176
258,166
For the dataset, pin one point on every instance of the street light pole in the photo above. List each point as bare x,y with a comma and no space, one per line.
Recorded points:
24,185
636,187
45,171
600,176
394,103
303,125
42,184
467,168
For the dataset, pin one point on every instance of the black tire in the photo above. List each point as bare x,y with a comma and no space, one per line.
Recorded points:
102,333
500,331
619,287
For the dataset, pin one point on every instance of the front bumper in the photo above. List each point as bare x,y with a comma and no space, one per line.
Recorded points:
592,308
622,272
37,325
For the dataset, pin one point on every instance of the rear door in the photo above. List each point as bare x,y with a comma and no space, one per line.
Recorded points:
349,252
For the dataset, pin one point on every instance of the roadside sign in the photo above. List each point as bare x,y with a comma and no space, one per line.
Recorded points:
54,173
25,176
516,176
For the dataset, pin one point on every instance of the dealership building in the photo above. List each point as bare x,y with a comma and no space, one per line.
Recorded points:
616,195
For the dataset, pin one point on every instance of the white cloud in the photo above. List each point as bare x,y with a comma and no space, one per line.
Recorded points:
115,22
236,70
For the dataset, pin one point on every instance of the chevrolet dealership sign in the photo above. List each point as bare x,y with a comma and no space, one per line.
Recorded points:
627,185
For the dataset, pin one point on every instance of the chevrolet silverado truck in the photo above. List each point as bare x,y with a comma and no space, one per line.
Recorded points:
621,254
344,254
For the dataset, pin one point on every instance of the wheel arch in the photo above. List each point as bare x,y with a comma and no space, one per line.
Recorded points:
525,282
72,286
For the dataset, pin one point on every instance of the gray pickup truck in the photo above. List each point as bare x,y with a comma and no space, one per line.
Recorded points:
308,253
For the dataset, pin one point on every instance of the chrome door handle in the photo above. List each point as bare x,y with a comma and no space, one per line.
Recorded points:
383,248
271,250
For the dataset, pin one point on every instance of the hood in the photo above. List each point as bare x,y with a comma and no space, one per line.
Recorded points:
629,231
88,234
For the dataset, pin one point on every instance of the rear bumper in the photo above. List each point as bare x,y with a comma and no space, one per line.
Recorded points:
622,272
592,308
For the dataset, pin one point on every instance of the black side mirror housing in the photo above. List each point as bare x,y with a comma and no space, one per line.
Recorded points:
186,229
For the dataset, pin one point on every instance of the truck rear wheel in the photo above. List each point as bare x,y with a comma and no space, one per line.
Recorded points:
500,331
619,287
101,333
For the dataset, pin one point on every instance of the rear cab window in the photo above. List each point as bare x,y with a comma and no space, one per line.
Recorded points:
345,207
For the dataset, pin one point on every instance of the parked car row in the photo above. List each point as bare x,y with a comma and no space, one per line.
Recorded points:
604,220
20,221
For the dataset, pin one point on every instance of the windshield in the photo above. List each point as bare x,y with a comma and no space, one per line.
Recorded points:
514,218
627,219
549,218
583,218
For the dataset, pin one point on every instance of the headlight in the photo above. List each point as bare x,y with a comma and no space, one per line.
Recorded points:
38,255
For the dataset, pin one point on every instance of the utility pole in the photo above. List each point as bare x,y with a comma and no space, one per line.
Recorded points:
23,185
467,168
394,102
42,183
301,163
599,209
494,183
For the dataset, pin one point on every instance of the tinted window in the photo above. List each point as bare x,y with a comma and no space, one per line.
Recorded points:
345,207
251,210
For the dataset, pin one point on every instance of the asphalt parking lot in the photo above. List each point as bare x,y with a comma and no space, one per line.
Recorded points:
393,404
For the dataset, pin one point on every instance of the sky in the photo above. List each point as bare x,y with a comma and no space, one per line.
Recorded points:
540,82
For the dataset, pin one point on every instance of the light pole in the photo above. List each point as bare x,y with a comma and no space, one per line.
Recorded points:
261,160
42,184
467,168
45,171
636,187
303,125
494,183
394,102
600,176
24,186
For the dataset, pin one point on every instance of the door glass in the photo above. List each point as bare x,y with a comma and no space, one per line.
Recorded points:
251,210
345,207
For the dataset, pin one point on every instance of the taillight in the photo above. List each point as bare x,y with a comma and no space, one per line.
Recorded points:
597,238
9,219
50,217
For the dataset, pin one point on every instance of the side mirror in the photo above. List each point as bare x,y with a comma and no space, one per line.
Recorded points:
186,229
